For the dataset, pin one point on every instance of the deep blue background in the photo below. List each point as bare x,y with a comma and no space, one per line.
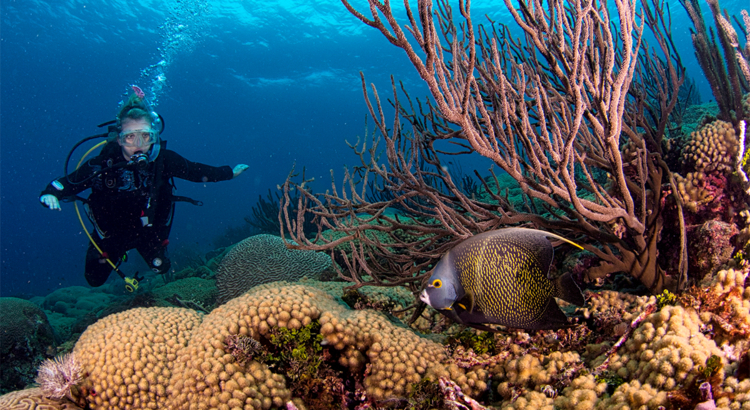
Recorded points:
267,83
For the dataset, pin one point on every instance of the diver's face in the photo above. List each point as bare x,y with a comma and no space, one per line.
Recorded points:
136,136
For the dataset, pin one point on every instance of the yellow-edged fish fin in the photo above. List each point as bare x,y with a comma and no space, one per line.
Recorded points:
556,236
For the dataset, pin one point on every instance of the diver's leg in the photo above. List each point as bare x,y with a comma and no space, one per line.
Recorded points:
154,252
97,267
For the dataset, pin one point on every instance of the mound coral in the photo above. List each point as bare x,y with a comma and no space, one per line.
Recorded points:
262,259
529,371
634,395
128,358
712,147
25,336
177,358
666,350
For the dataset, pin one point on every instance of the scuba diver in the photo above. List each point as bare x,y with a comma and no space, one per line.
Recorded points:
131,204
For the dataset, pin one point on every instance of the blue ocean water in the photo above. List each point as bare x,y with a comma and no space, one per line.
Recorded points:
267,83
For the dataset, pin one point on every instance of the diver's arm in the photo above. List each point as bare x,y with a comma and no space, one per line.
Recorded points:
177,166
239,169
65,187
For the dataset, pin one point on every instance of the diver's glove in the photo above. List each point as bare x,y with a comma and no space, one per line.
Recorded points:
50,201
239,169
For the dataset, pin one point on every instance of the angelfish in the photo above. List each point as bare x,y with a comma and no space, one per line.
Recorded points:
501,277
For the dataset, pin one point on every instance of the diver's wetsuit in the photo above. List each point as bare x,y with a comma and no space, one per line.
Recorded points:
120,198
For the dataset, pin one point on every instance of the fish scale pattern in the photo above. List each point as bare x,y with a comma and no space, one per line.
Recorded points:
489,269
501,277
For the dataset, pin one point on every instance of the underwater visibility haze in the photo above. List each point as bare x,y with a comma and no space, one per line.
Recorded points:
269,84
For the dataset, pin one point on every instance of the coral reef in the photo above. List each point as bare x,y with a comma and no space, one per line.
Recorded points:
261,259
198,290
689,352
283,343
25,338
175,358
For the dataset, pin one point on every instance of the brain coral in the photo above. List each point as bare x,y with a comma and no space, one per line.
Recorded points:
33,399
175,358
262,259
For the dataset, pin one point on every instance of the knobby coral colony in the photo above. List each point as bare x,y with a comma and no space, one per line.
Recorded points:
293,345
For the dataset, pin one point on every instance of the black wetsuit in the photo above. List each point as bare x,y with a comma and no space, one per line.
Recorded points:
122,196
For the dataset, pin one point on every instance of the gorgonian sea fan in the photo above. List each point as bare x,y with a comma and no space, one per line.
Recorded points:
58,376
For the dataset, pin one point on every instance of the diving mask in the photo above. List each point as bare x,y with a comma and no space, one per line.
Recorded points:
138,138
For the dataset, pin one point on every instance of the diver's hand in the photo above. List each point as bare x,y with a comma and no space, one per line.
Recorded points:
239,169
51,202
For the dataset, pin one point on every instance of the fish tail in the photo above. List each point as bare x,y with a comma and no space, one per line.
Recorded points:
567,289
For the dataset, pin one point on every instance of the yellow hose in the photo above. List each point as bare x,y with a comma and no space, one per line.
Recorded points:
129,285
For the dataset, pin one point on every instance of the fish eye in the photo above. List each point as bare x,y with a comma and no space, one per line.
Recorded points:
437,283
